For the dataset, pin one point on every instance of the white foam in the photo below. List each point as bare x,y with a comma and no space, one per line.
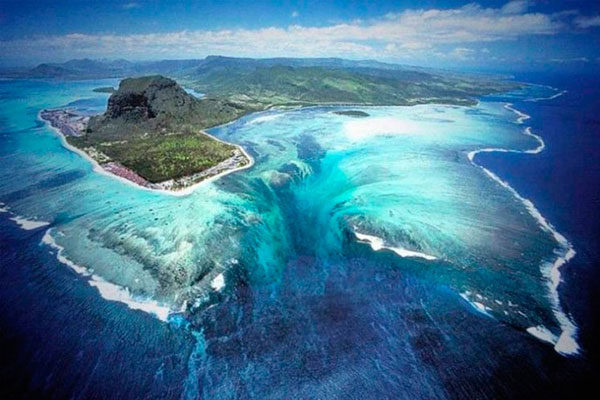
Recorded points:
548,98
475,304
28,224
377,244
543,334
566,343
264,118
218,282
521,116
49,240
112,292
108,290
24,223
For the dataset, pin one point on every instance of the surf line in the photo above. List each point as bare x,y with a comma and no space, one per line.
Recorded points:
22,222
377,244
107,290
565,343
557,94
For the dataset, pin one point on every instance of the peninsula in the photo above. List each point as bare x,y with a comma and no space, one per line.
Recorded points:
152,134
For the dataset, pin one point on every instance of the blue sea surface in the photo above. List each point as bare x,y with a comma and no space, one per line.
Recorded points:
358,258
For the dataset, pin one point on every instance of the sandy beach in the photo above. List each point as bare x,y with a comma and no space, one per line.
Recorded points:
129,177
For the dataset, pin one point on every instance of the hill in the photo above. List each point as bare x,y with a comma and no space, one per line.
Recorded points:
152,132
260,86
260,83
153,128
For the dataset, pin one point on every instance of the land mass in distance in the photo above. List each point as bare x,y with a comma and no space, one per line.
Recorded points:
152,132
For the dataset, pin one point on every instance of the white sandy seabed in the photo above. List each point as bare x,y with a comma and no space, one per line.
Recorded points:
107,290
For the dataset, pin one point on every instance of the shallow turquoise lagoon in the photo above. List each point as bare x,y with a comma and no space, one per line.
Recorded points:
396,187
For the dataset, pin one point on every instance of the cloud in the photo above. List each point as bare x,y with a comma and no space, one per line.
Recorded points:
295,14
516,7
131,5
407,34
587,22
462,53
570,60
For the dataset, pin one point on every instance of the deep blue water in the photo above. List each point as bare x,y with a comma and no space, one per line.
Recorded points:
564,181
362,325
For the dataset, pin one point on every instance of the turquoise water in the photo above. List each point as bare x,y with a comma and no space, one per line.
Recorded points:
395,190
400,175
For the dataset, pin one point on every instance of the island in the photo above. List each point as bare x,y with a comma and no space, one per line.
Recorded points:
352,113
153,131
104,89
260,83
152,134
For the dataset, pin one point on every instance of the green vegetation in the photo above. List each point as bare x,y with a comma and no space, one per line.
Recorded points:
153,127
163,157
104,89
155,105
255,84
259,85
352,113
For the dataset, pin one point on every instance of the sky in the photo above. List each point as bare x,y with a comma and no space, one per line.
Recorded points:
483,34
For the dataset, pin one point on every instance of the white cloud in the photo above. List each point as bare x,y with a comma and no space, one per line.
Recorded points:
570,60
462,53
587,22
413,32
516,7
131,5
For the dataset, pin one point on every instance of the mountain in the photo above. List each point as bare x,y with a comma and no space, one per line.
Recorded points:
50,71
259,83
194,68
153,127
263,83
157,105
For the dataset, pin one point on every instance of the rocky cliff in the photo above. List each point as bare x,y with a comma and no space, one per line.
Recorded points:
155,105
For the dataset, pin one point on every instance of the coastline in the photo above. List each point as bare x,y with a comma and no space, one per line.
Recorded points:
96,167
107,290
565,343
377,244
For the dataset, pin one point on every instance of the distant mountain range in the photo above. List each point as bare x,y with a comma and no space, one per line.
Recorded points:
152,126
256,84
95,69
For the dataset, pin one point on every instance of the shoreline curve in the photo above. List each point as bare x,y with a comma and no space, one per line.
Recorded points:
96,167
565,343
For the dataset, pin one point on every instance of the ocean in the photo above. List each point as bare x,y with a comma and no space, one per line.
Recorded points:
392,256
